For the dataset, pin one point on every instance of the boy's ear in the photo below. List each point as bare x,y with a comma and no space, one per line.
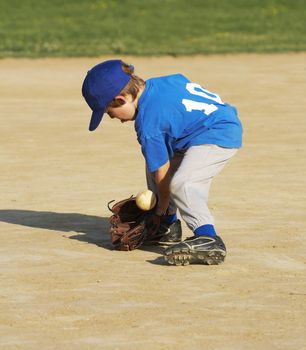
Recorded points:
121,99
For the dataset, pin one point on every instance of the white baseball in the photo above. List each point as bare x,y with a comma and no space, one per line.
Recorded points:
145,200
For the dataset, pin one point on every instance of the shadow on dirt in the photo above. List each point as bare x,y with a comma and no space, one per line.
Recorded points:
158,249
91,229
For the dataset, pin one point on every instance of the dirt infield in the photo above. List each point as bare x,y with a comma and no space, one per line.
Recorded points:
62,287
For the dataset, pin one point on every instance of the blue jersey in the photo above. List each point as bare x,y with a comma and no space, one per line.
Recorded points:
175,114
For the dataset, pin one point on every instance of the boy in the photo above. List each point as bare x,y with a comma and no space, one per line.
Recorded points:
187,134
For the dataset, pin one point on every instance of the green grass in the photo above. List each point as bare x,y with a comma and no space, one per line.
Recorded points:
42,28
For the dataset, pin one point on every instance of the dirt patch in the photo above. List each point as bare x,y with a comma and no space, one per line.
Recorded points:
62,287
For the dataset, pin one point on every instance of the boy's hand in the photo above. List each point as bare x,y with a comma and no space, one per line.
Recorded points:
153,224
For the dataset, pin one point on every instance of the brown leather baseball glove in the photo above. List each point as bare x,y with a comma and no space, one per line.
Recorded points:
128,224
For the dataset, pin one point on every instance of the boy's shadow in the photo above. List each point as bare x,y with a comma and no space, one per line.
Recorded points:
91,229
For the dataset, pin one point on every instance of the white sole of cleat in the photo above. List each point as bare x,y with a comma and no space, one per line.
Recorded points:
184,257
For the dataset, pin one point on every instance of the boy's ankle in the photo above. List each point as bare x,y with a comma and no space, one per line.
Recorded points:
205,230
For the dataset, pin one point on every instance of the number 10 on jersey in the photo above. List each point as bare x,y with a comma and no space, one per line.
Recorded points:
206,108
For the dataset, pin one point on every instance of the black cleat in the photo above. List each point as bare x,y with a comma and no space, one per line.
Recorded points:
167,234
196,250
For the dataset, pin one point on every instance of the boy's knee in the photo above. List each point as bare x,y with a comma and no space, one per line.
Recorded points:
177,184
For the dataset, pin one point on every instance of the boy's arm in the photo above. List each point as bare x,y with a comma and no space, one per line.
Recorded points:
162,179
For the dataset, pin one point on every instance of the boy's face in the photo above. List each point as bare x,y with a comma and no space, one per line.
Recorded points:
124,113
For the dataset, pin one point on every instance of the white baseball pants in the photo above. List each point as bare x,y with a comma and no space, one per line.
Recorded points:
192,172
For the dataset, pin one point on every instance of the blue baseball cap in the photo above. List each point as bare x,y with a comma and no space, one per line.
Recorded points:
101,85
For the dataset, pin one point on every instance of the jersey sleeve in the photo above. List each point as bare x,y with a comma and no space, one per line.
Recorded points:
155,152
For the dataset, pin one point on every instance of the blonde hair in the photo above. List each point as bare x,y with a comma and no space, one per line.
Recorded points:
132,87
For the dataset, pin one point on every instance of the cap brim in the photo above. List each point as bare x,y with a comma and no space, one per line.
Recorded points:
96,119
